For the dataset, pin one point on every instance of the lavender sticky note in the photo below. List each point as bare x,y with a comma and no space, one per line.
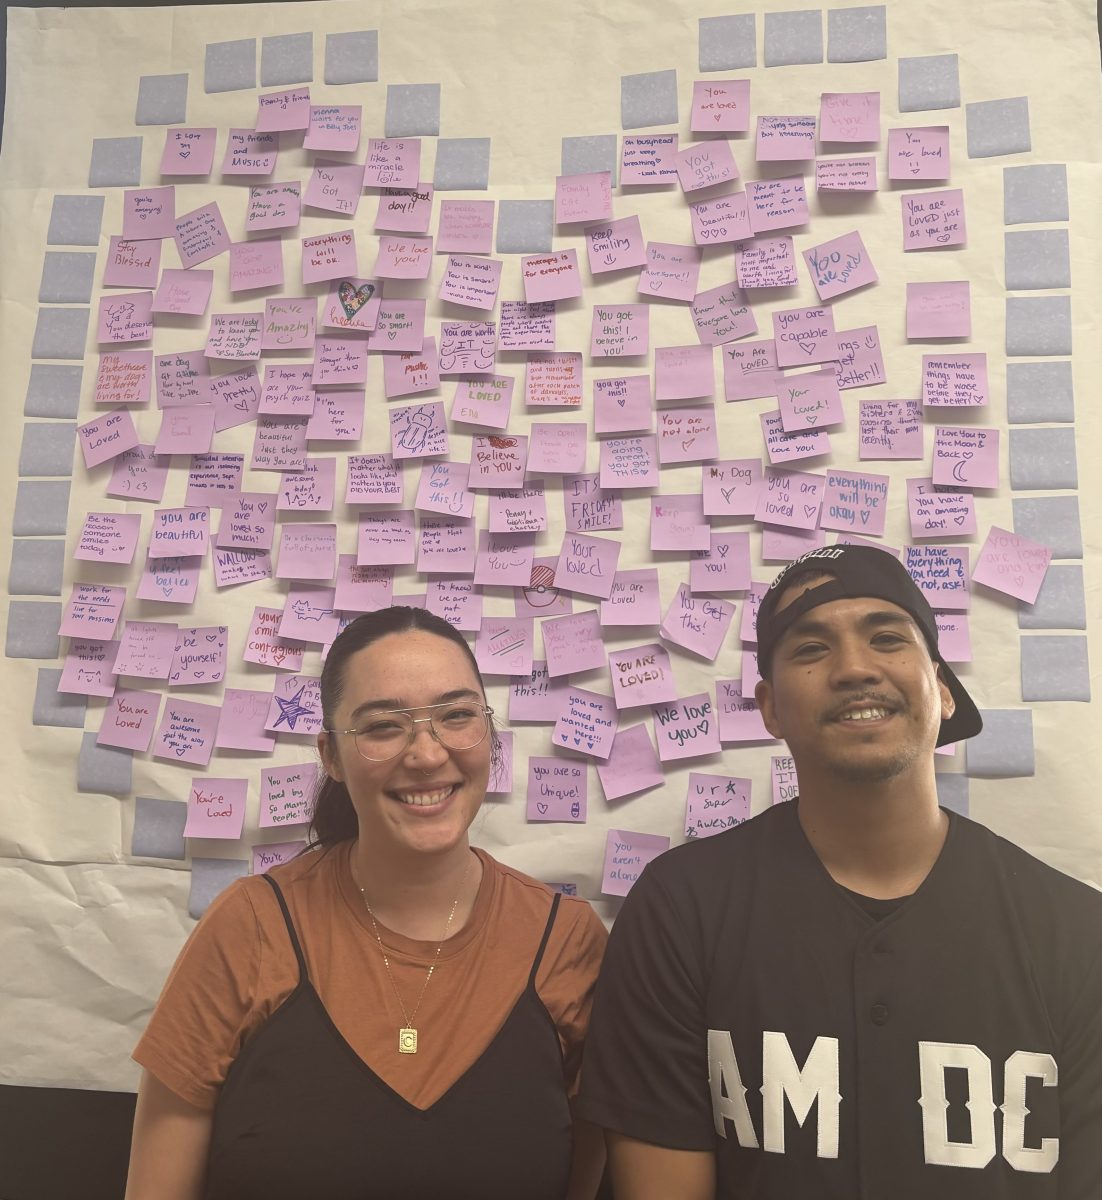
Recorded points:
159,828
103,769
929,82
1004,749
632,766
230,66
1039,392
162,100
1038,325
649,98
998,127
1051,520
857,34
1034,192
412,109
626,854
727,43
1042,460
53,390
75,221
1061,602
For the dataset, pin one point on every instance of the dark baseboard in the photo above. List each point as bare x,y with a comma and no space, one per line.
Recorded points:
57,1144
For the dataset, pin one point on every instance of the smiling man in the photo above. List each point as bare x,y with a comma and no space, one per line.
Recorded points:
855,994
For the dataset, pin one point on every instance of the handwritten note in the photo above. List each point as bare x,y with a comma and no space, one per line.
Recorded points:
939,310
626,854
551,276
855,501
553,380
933,219
106,436
720,106
273,206
671,271
722,314
287,795
124,377
785,139
839,266
958,380
941,573
615,245
647,160
705,165
730,488
776,203
740,718
919,153
588,508
587,564
714,803
696,623
527,326
336,128
634,599
686,728
466,226
619,330
846,174
622,405
200,235
790,498
939,512
965,456
891,429
849,117
129,720
556,790
572,643
766,262
586,197
188,152
804,335
392,163
587,723
750,370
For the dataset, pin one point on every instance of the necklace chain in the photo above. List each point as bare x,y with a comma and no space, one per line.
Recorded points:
407,1035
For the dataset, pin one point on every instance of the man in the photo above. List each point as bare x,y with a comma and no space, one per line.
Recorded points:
856,994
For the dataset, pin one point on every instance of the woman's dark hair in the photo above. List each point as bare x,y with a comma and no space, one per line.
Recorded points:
334,818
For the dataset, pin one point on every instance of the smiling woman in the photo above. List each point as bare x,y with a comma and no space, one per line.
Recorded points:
392,1005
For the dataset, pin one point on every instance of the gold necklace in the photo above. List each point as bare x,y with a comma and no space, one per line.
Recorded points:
407,1035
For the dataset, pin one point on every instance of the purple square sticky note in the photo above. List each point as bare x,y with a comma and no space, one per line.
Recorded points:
791,498
939,310
256,264
250,153
149,213
714,803
295,706
723,567
179,531
403,256
186,732
418,431
200,235
839,266
329,256
672,271
809,400
586,724
921,153
698,624
125,318
860,362
626,854
106,436
730,488
966,457
288,109
785,139
622,405
641,675
705,165
587,565
199,656
647,160
720,219
188,429
720,106
336,128
1012,564
781,447
334,186
776,203
503,559
132,263
677,523
503,646
553,276
722,314
556,790
684,372
939,513
273,206
804,335
405,210
385,539
188,152
556,449
630,462
392,163
553,380
740,718
942,575
631,767
186,293
124,377
264,646
750,370
634,600
890,429
933,219
108,537
686,728
855,502
129,720
846,174
411,373
619,330
766,262
537,697
216,807
446,546
615,245
573,643
466,226
287,795
849,117
956,380
586,197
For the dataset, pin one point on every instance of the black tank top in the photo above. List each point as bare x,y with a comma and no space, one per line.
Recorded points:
302,1117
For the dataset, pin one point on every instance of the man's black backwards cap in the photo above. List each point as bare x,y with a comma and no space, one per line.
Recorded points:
859,571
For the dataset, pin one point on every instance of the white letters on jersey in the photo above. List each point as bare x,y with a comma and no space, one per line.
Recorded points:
724,1077
1019,1067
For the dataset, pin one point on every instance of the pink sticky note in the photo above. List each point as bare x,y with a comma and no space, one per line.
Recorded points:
957,380
443,489
626,854
173,579
256,264
696,623
250,153
846,174
629,462
860,362
537,697
587,723
739,716
466,347
310,614
781,447
622,405
129,719
497,462
471,281
279,444
686,728
87,668
188,429
776,203
373,479
138,474
146,649
790,498
921,153
179,531
200,235
263,644
307,551
446,546
405,210
418,431
687,435
766,262
503,646
215,807
937,310
466,226
855,502
683,372
125,318
353,304
413,372
338,417
403,256
586,197
722,314
148,213
334,187
556,790
362,588
234,336
722,219
182,378
273,206
183,292
632,766
634,599
385,539
214,480
241,724
483,401
527,326
92,611
641,675
750,370
248,522
671,272
108,537
941,574
939,512
1012,564
235,567
730,488
723,567
335,127
720,106
553,380
782,774
132,263
587,565
714,803
339,362
804,335
392,163
573,643
295,706
124,377
523,510
287,795
785,139
839,266
705,165
274,854
552,276
966,456
587,508
615,245
234,397
287,390
288,109
106,436
891,429
783,544
557,449
933,219
188,152
809,400
329,256
199,656
954,641
619,330
646,160
849,117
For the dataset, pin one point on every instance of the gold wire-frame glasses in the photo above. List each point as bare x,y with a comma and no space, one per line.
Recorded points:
460,725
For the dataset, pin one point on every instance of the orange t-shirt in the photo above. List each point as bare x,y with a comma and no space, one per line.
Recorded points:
238,966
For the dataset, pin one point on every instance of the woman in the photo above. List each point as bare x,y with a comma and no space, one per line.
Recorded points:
391,1014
